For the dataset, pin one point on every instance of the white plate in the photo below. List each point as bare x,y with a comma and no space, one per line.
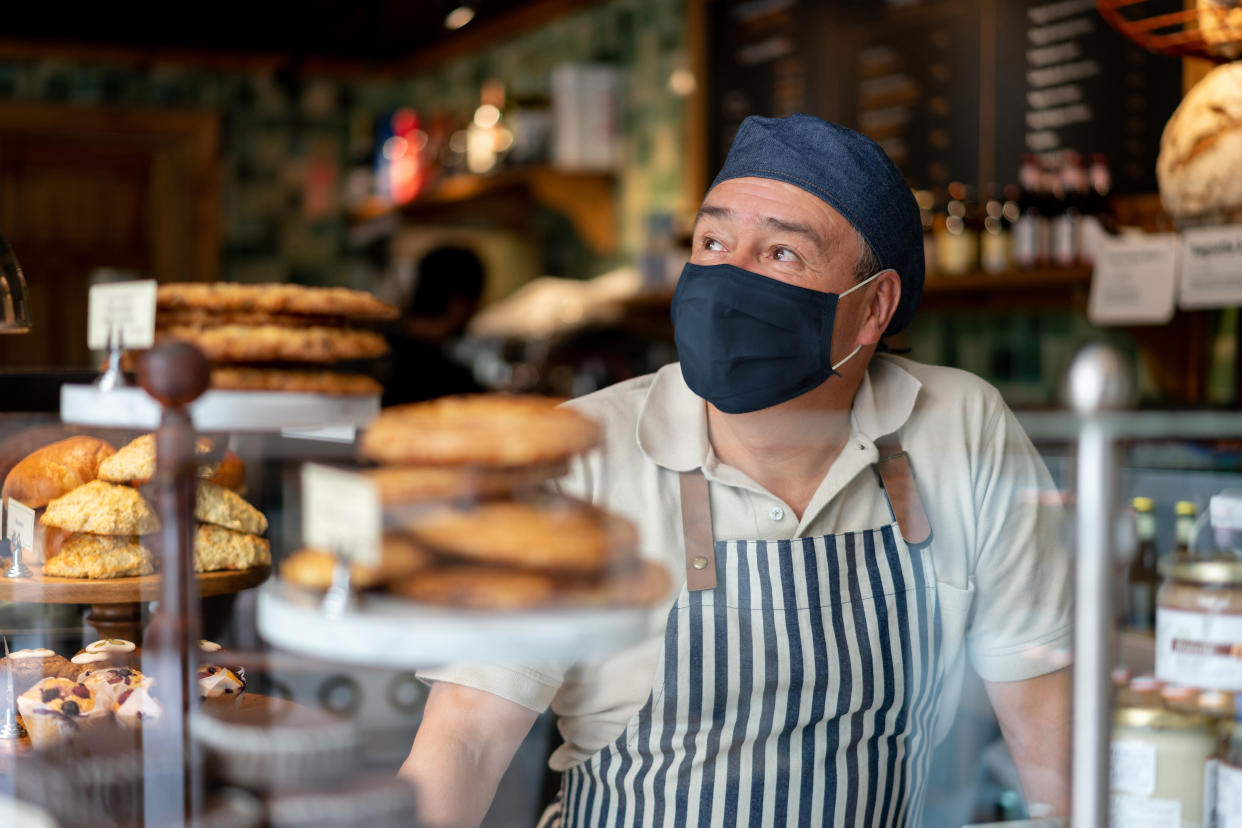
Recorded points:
394,632
218,410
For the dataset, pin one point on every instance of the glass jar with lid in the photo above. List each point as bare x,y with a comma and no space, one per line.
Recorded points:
1159,767
1199,625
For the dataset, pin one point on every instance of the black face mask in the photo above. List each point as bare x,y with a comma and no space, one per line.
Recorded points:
748,342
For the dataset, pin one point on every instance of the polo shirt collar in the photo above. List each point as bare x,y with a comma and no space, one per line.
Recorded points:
672,422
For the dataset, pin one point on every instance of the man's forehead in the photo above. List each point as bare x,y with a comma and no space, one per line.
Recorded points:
775,204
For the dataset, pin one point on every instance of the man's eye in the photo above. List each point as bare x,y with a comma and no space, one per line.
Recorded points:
784,254
711,244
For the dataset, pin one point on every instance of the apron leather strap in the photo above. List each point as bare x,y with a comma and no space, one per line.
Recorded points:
696,526
897,480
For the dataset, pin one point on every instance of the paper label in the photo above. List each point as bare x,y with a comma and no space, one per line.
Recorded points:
21,522
1200,649
1228,796
1132,769
1134,280
1139,812
124,308
1211,267
341,513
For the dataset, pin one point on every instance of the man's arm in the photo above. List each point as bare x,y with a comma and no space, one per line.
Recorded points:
465,742
1034,717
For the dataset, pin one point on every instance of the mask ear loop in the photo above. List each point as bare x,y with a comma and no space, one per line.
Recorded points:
870,278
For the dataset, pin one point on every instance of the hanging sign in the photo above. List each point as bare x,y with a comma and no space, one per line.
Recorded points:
341,513
1211,267
121,314
1135,279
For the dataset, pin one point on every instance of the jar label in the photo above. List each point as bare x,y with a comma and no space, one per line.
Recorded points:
1199,649
1132,769
1139,812
1228,796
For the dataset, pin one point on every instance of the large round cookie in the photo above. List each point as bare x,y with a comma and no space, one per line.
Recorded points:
398,485
273,343
482,429
494,588
250,378
273,298
556,534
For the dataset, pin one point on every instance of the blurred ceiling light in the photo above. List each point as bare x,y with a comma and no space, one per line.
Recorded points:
458,17
395,147
681,82
486,116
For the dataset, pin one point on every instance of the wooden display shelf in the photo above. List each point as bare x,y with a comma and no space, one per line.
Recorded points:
588,199
49,589
1061,287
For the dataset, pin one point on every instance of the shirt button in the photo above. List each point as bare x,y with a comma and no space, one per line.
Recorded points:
776,513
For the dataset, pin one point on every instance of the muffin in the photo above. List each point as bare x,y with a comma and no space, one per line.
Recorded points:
219,688
108,652
135,706
28,666
56,709
110,682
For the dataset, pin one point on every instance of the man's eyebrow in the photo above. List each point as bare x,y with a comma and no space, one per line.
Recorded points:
771,221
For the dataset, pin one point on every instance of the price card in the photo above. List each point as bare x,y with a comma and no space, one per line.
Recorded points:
1211,267
124,308
1135,279
341,513
21,522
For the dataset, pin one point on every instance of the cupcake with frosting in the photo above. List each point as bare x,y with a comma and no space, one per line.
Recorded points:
110,682
135,707
28,666
108,652
220,688
55,709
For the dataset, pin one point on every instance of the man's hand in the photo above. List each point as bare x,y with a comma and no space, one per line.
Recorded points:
1035,719
463,746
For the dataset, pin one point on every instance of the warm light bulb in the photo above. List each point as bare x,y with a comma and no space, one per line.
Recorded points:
486,116
458,17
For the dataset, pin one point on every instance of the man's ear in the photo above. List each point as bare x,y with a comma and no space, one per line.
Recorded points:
885,296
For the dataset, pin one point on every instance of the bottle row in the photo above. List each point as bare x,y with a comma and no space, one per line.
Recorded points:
1053,218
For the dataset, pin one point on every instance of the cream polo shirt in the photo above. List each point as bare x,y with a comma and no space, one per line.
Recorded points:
1002,569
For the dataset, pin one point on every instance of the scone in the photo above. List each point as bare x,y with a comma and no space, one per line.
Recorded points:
551,533
56,709
108,652
217,548
312,568
222,507
100,556
102,509
29,666
135,462
478,430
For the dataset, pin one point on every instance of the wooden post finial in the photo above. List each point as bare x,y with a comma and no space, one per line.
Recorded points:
175,373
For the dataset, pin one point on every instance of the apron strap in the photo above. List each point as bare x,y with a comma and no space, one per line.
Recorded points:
896,478
696,527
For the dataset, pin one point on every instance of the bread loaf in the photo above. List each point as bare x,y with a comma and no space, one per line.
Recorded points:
1201,148
54,470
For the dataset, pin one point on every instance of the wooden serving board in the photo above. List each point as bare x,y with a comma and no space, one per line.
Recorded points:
49,589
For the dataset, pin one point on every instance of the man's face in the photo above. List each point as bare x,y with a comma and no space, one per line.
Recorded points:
778,230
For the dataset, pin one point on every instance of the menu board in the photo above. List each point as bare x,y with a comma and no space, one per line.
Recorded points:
955,90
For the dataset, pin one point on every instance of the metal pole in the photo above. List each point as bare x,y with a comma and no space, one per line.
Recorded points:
1098,381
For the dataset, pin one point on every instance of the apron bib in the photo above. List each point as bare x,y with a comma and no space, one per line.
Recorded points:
801,690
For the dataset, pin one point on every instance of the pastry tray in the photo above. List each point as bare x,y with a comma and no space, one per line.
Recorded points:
41,589
218,410
386,631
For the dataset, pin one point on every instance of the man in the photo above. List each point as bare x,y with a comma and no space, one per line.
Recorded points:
815,652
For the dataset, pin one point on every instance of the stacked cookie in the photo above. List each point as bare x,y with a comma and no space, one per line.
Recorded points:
466,479
99,524
275,337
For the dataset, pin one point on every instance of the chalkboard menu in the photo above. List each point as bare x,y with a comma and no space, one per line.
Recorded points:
955,90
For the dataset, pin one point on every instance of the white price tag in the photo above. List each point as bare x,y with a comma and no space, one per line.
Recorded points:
1133,767
341,513
1135,279
20,522
1138,812
126,309
1211,267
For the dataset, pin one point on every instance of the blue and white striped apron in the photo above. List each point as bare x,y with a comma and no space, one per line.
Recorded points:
802,690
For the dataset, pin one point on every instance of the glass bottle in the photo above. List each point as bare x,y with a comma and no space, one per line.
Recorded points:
1143,577
1186,516
957,248
1027,228
996,240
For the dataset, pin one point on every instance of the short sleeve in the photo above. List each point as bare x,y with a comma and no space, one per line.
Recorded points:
1021,625
532,687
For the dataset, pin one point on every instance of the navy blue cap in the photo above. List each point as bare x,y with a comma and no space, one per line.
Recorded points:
850,172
